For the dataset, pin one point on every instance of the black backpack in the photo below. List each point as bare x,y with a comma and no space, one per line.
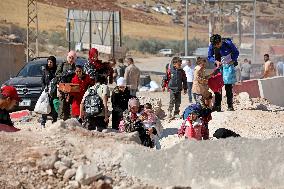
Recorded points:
93,104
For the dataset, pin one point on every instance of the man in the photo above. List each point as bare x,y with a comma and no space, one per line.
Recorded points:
8,100
269,68
245,70
64,73
120,68
189,70
222,52
132,76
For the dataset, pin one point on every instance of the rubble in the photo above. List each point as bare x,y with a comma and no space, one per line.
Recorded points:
86,174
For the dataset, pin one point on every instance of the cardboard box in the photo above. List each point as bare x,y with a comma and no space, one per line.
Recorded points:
69,87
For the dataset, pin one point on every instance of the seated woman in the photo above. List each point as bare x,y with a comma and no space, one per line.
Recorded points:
132,121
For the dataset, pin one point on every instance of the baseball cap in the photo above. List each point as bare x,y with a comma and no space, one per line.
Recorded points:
10,91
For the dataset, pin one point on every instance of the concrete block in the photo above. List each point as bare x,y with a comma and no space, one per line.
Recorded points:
249,86
272,89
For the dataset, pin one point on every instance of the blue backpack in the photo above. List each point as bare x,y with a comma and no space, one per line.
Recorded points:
191,108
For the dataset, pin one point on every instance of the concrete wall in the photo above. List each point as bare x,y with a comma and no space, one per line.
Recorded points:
11,61
272,89
249,86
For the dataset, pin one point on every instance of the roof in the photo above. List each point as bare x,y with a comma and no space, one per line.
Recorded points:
277,50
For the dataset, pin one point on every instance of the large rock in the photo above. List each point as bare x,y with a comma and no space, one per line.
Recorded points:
86,174
47,158
69,174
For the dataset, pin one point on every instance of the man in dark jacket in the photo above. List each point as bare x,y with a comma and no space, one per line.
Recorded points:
119,99
64,73
176,83
47,76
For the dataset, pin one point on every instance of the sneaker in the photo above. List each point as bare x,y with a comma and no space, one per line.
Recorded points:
231,109
216,109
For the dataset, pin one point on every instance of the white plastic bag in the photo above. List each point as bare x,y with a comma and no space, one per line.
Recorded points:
154,86
43,105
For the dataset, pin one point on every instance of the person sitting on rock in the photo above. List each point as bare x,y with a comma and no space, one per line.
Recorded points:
132,121
8,100
152,124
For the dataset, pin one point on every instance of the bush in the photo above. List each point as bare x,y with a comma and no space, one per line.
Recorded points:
58,38
153,45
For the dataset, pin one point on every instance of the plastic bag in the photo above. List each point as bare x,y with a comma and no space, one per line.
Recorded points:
43,105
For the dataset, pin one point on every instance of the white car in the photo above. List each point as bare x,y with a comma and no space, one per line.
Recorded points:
166,52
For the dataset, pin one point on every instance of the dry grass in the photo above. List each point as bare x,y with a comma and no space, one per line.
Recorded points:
50,17
53,18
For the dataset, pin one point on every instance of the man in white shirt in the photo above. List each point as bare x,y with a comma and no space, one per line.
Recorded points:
189,70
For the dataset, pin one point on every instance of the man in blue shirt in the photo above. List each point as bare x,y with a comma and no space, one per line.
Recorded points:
224,54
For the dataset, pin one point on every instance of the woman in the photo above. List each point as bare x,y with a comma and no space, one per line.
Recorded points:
47,76
119,100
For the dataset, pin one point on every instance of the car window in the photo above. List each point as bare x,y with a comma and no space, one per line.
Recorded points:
31,70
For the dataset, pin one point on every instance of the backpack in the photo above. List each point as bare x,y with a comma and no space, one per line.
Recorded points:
189,109
93,104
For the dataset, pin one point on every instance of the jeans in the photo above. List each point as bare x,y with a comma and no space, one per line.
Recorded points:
189,89
175,101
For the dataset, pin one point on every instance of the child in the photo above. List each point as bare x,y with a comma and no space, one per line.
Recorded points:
84,81
176,82
152,124
119,99
192,127
132,121
94,108
200,81
205,112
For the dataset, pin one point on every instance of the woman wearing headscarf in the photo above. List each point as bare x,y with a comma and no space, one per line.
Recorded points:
64,73
47,76
96,66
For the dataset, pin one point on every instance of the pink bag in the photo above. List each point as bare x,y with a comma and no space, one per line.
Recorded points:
216,82
193,132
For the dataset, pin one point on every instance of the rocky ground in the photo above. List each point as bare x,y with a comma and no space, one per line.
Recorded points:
64,155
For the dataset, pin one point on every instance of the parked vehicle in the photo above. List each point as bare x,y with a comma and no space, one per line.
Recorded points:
28,81
166,52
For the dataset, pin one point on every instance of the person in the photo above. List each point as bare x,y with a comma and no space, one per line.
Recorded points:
224,54
94,107
64,73
192,127
120,69
84,81
200,82
205,113
47,76
119,99
189,70
269,68
176,83
152,124
132,121
8,100
245,70
132,76
280,67
94,67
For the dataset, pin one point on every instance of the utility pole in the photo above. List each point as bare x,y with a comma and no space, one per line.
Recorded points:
254,31
90,29
186,30
239,25
32,30
68,30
